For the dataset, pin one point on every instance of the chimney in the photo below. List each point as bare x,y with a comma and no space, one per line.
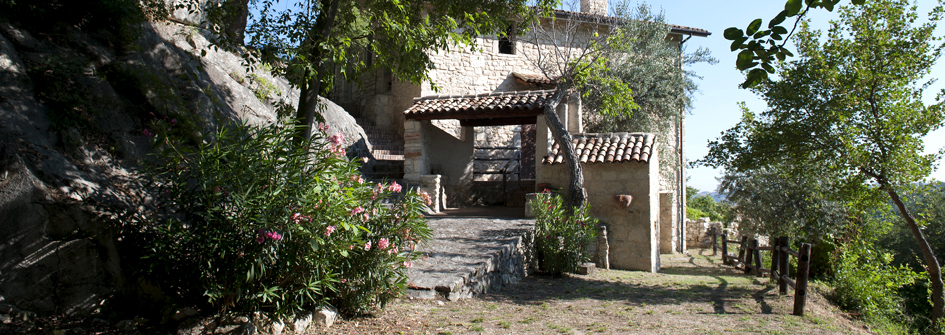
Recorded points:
597,7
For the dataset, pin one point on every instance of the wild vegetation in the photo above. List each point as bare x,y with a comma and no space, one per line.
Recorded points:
836,154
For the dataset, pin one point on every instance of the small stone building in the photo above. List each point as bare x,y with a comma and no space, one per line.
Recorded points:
485,125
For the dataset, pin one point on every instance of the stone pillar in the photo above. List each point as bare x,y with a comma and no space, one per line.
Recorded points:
542,145
574,122
415,162
430,183
667,223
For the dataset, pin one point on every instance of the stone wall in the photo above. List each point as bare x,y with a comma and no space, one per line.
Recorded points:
698,232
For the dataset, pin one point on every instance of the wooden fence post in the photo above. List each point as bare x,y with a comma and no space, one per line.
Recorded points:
757,258
715,240
743,245
750,255
775,259
783,269
725,247
800,292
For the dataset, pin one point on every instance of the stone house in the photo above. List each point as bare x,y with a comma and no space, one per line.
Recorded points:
486,120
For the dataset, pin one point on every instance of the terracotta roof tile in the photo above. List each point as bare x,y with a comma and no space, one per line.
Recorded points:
533,78
606,19
607,148
491,104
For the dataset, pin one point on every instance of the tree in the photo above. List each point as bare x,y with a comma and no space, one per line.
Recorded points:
773,202
661,86
319,41
853,107
576,52
754,55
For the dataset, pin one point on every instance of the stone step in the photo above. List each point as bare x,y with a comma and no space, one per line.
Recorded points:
459,264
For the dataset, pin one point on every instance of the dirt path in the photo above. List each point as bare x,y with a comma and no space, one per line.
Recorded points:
691,295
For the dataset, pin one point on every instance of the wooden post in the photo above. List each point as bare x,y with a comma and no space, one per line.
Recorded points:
725,247
775,259
741,250
715,240
749,255
800,292
757,258
783,269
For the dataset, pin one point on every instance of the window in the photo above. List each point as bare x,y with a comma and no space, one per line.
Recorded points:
507,42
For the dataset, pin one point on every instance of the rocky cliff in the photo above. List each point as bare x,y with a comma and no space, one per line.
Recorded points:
75,101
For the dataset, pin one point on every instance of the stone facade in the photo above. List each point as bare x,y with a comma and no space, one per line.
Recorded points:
633,231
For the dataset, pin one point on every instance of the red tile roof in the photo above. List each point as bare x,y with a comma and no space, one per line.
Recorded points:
529,78
490,105
607,148
584,16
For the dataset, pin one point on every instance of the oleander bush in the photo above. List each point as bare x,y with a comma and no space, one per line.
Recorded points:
252,220
561,236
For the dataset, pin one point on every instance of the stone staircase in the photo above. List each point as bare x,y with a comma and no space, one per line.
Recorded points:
387,148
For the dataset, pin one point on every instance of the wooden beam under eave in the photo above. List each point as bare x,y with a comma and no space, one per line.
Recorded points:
497,121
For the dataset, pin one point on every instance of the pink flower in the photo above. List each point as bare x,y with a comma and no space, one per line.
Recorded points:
392,250
394,187
260,239
147,133
426,197
329,230
174,122
367,246
275,236
351,247
357,210
360,180
323,127
383,243
366,216
337,139
365,159
297,217
344,280
407,264
167,191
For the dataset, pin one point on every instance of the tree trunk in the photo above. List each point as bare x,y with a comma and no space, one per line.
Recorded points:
312,84
234,22
934,269
576,192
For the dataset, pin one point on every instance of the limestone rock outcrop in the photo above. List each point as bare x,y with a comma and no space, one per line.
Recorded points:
73,110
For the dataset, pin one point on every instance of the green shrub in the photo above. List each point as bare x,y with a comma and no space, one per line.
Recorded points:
866,282
561,238
254,221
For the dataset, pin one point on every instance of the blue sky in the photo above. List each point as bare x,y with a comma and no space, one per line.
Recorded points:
715,109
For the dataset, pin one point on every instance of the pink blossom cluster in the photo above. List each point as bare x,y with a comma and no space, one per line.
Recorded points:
329,230
263,234
357,178
298,218
357,210
394,187
426,197
323,127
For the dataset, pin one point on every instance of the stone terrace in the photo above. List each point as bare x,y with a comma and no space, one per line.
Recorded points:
473,251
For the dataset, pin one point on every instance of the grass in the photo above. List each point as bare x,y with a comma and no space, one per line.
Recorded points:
689,295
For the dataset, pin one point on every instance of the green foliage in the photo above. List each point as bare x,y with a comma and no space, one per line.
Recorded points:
562,238
661,87
252,221
865,281
708,207
695,213
849,110
264,89
759,47
775,202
